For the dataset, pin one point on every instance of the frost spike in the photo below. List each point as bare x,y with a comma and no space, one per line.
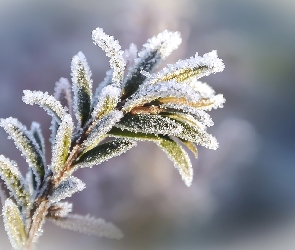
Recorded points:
104,152
113,50
14,181
118,133
27,144
67,188
14,225
82,88
89,225
179,157
62,144
52,106
154,51
150,124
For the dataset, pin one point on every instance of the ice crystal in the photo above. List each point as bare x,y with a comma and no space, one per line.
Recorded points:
14,225
113,50
89,225
66,189
82,87
14,181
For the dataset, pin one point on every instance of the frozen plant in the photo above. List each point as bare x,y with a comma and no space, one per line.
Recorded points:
134,104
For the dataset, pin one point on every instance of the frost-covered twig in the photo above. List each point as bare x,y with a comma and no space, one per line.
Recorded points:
168,108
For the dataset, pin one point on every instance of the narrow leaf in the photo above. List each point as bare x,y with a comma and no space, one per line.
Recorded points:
195,67
52,106
89,225
14,181
104,152
27,144
62,144
107,81
154,51
151,124
113,50
14,225
38,136
191,146
179,157
197,135
148,93
118,133
82,88
102,127
66,189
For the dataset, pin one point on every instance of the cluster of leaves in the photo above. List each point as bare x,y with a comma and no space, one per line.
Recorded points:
131,104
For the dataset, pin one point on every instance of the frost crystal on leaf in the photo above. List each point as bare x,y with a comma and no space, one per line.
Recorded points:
45,101
67,188
62,144
82,87
27,144
89,225
113,50
14,181
37,134
14,225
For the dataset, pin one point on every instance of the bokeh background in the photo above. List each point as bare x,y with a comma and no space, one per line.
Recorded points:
243,194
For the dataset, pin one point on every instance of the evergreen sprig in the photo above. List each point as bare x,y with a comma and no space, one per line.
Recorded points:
168,108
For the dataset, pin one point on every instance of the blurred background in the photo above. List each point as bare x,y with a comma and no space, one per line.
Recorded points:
243,194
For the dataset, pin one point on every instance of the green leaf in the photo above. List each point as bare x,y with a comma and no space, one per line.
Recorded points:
52,106
14,225
116,132
62,144
82,88
154,51
179,157
104,152
27,144
150,124
198,135
14,181
191,146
